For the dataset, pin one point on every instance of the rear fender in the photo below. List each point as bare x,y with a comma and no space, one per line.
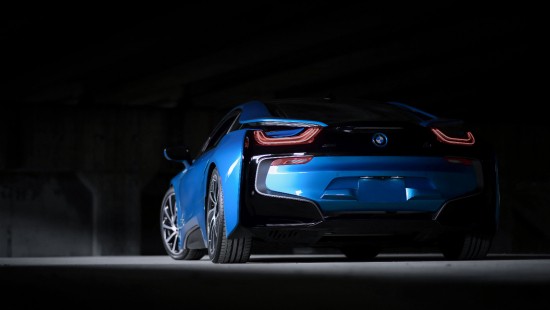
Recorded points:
228,157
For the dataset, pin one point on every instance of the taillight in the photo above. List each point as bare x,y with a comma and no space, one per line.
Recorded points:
292,161
305,137
442,137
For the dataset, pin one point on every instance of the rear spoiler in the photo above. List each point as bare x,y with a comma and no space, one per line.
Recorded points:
283,122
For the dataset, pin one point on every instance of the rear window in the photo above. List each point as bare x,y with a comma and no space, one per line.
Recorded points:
335,112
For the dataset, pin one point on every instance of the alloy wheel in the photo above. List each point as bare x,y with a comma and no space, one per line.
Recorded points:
170,230
212,215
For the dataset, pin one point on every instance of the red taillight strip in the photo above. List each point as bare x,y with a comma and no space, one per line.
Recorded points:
292,161
458,141
307,136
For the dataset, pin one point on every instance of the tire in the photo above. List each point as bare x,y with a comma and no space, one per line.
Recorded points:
169,230
467,247
360,253
221,249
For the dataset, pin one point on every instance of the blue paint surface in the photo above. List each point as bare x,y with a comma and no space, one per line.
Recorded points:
375,183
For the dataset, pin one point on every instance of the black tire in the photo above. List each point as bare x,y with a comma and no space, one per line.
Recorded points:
360,253
221,249
169,230
467,247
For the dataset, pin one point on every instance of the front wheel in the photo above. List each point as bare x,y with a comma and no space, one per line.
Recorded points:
169,230
469,246
220,248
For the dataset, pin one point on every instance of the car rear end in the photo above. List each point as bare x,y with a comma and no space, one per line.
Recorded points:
392,176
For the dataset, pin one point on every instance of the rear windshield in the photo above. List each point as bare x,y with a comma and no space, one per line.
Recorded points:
334,112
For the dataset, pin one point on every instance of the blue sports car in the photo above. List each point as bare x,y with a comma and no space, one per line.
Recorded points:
357,176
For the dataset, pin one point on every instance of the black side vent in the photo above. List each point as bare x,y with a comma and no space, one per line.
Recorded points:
278,235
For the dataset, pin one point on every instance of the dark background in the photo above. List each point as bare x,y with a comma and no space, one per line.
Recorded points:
89,99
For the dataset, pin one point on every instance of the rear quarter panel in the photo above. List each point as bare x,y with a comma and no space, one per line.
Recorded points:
228,158
191,185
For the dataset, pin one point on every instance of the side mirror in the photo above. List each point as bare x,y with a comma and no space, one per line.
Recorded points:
179,154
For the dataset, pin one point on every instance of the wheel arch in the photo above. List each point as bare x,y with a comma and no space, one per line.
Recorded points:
210,169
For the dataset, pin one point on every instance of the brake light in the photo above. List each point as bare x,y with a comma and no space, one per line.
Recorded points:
305,137
292,161
441,137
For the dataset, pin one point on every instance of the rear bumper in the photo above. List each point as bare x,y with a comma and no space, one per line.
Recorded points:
374,229
378,229
371,183
357,196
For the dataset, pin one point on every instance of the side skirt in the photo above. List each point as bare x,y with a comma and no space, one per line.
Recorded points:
193,239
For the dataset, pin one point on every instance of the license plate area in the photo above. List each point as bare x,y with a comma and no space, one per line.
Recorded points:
381,189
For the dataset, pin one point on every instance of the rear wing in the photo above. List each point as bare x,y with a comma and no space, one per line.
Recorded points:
283,122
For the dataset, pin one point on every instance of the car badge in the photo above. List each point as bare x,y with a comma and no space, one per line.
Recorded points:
379,139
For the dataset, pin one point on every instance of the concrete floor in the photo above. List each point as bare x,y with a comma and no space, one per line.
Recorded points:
279,282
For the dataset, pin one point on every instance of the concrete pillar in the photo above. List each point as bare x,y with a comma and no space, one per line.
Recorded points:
116,223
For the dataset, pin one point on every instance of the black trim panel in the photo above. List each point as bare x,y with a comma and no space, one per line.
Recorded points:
266,207
193,239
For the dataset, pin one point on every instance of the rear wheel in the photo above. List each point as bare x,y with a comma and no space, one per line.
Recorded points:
220,248
360,253
470,246
170,230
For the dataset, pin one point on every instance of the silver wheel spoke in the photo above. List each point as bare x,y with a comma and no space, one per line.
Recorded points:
215,233
213,225
169,211
170,230
174,210
168,227
171,236
174,244
213,198
212,214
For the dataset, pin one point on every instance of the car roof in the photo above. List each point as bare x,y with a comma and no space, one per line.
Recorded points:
257,109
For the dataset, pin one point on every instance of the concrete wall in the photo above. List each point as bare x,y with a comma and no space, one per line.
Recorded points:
72,180
44,215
